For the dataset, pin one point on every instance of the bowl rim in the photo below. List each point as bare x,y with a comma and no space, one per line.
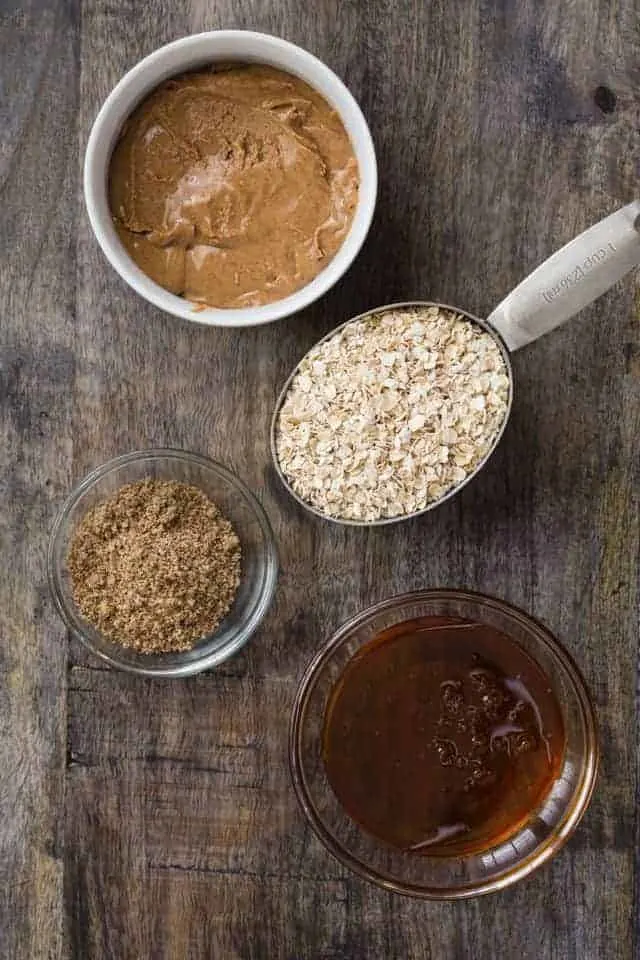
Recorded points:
541,853
191,50
214,657
454,491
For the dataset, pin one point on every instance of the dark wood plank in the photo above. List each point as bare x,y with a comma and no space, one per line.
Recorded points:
38,189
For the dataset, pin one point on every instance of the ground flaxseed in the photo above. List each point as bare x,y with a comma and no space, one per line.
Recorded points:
155,567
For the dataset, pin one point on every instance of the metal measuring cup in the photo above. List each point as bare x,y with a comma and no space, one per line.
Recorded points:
569,280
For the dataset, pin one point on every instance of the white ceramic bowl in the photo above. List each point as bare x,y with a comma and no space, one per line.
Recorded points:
188,54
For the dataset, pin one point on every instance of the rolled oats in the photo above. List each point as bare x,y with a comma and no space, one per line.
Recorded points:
391,413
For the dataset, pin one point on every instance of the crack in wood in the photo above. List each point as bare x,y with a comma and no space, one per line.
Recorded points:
79,761
241,873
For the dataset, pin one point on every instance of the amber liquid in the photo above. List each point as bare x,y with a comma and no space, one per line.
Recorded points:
442,736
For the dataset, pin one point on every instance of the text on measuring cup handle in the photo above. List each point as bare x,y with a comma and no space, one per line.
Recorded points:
578,273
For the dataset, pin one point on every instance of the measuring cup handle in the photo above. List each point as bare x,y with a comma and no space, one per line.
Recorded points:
571,278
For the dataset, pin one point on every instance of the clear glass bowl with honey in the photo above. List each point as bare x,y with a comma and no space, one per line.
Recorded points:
443,744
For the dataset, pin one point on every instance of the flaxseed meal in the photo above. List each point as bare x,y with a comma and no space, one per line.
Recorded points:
155,567
391,413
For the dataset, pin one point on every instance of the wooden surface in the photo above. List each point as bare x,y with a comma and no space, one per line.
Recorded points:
156,820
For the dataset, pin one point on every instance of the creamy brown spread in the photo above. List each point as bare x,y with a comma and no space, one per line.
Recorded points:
233,188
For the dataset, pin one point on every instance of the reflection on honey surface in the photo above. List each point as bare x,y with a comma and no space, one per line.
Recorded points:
441,736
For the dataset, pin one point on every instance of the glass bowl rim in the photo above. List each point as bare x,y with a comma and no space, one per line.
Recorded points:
543,852
271,564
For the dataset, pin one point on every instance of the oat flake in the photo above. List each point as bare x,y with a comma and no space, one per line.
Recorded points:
391,413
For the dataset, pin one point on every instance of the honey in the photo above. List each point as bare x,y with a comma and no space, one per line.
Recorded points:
442,736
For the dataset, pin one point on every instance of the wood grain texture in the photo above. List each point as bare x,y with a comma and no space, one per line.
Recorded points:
172,830
38,199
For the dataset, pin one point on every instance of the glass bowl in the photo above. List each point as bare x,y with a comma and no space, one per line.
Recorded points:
439,877
237,503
